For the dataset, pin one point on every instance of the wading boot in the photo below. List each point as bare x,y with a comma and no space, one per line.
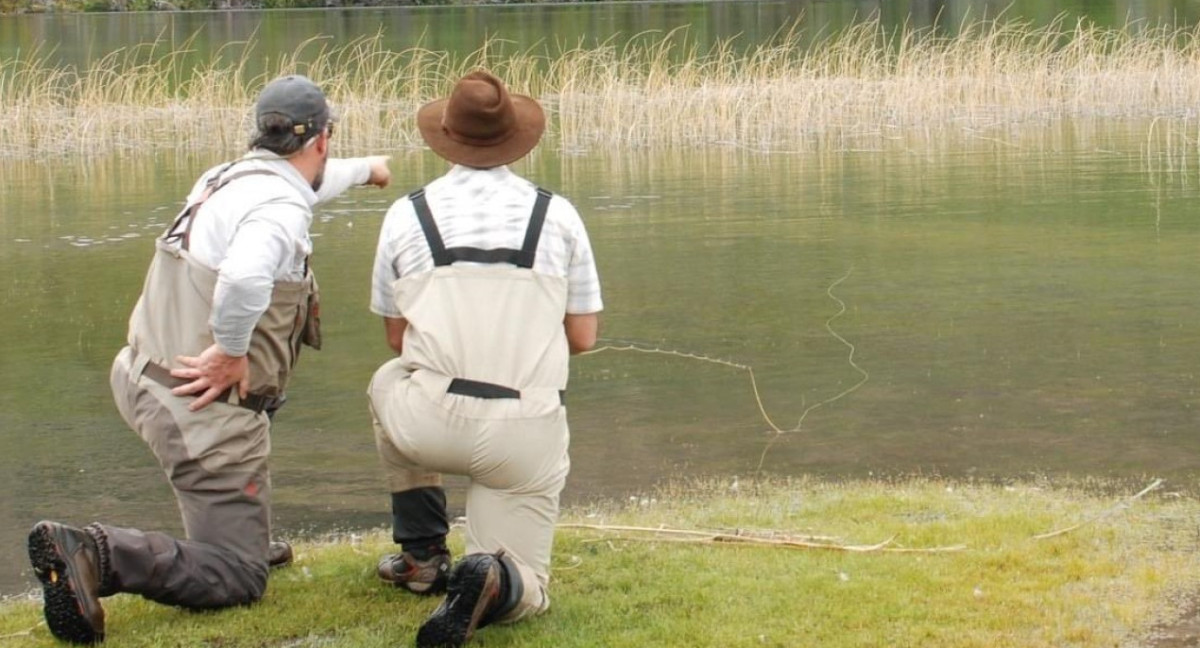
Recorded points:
423,577
67,561
478,593
279,554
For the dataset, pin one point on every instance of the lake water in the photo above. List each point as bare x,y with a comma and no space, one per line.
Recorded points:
993,312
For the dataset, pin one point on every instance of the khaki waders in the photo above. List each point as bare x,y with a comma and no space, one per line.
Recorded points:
478,391
215,458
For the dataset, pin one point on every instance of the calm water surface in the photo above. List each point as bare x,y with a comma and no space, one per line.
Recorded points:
1015,316
1015,312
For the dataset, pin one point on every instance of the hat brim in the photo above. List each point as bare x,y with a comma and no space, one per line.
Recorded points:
530,124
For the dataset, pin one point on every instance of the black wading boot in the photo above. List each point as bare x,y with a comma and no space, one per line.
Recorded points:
68,562
480,591
279,554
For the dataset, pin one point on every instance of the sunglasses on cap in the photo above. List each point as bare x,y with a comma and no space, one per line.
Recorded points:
300,129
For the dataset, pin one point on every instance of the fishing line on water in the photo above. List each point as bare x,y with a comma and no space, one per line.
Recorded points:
864,376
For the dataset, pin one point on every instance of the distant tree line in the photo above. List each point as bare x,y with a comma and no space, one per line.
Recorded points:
47,6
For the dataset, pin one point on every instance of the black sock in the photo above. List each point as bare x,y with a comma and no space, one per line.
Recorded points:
419,519
425,548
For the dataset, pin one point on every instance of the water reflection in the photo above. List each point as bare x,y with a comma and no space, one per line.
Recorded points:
77,39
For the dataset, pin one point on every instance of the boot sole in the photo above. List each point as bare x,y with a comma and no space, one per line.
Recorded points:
454,625
432,590
62,609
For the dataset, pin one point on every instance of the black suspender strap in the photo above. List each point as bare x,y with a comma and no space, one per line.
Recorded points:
534,232
432,236
443,256
477,255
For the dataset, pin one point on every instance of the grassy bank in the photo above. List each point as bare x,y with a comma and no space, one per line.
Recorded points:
1003,85
913,563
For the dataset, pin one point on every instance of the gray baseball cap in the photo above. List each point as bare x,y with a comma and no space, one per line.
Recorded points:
298,100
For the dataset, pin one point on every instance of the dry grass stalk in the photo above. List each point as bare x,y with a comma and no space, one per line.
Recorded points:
1124,504
865,87
782,540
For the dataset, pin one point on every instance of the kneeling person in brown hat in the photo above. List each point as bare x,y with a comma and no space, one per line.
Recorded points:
486,284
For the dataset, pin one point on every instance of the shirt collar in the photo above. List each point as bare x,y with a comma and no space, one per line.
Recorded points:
497,174
264,159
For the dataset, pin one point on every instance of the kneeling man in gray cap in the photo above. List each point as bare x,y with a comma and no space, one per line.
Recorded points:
227,302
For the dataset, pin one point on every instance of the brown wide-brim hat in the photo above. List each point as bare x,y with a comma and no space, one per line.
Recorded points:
480,124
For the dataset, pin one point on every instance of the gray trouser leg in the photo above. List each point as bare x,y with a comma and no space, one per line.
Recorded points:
216,460
189,574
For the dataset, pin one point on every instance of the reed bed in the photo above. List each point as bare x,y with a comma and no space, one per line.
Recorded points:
994,83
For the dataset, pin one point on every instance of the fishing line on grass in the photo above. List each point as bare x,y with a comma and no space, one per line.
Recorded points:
635,347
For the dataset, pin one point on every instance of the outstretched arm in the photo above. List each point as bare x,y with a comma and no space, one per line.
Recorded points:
341,174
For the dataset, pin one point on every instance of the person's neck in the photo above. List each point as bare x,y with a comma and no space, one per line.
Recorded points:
307,164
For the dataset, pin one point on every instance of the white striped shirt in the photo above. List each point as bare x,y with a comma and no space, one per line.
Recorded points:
487,209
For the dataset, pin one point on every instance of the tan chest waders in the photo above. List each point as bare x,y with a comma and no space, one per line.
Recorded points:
171,317
478,391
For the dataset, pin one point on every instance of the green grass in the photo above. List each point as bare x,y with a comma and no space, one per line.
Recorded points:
1130,565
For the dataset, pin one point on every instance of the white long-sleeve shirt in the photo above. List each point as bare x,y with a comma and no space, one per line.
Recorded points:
255,231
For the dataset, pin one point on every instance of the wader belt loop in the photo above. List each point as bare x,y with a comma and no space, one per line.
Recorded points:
254,402
443,256
212,186
480,389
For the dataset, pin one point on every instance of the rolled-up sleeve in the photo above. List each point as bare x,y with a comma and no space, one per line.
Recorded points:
583,280
385,273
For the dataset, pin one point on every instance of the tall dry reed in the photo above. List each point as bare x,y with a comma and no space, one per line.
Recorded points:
867,87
